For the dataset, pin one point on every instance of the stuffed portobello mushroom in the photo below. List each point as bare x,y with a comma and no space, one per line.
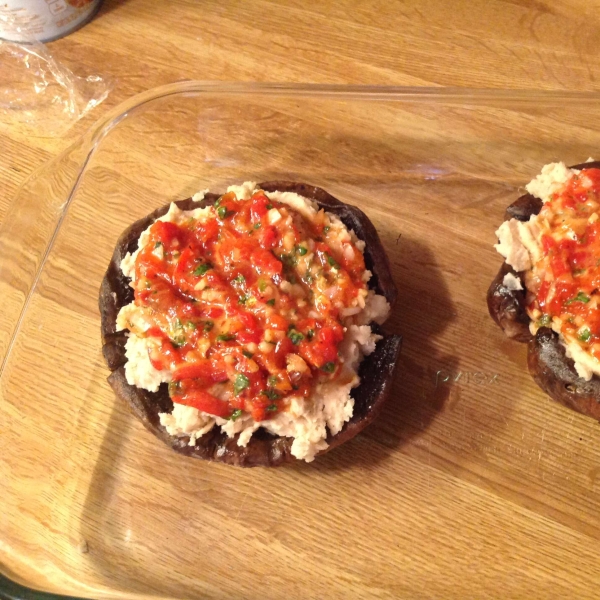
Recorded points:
547,293
244,327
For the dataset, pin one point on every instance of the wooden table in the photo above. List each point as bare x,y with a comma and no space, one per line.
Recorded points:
498,535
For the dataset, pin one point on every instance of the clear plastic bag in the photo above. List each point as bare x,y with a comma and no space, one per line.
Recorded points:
40,94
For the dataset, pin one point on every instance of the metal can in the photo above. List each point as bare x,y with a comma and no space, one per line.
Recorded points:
43,20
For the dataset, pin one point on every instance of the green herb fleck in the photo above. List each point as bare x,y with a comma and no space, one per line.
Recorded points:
243,299
272,381
270,394
295,336
326,229
178,341
257,225
289,260
240,279
190,325
271,302
545,321
310,334
328,367
262,285
584,334
217,202
201,269
222,212
208,325
301,250
240,384
581,297
236,414
332,262
247,354
269,206
225,337
158,244
272,407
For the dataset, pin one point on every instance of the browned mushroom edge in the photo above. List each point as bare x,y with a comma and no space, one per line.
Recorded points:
264,449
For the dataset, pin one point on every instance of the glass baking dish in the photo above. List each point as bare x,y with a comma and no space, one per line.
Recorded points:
472,483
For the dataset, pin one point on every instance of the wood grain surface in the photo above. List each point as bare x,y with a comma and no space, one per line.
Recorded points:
140,44
472,484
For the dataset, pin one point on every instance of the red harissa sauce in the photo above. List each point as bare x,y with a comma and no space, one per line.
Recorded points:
212,290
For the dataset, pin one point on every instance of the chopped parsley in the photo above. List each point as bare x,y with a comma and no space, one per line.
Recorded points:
545,321
332,262
208,325
190,325
236,414
310,334
257,225
584,334
295,336
289,260
178,341
247,354
272,407
272,381
271,302
201,269
158,244
301,250
240,279
225,337
581,297
328,367
222,212
269,206
270,394
240,384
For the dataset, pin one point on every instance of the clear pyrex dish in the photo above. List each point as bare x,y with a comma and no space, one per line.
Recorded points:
472,483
